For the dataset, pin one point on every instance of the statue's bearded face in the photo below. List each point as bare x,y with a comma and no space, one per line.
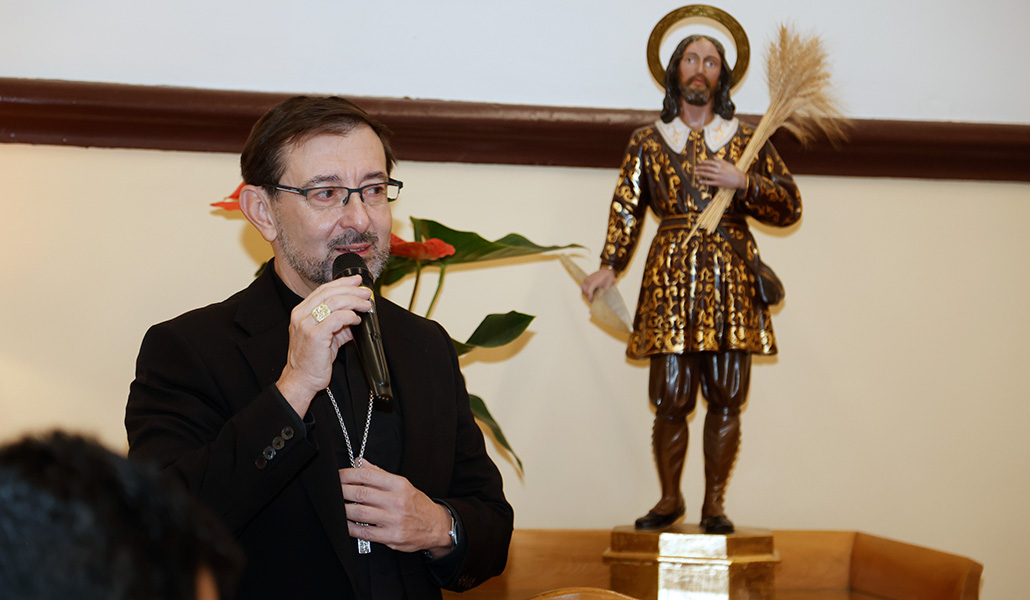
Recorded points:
699,72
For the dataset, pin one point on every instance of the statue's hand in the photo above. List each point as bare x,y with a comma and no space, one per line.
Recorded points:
721,173
601,279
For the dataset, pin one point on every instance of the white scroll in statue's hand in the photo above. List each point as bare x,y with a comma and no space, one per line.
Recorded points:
608,307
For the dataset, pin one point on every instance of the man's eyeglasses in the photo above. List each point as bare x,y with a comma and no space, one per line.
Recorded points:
321,198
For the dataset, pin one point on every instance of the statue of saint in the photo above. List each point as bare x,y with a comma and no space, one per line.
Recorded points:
700,315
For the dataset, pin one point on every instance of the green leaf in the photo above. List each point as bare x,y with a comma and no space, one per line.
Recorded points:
396,269
483,415
471,247
496,330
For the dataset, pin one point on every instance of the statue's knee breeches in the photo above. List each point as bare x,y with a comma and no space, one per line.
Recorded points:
673,385
725,379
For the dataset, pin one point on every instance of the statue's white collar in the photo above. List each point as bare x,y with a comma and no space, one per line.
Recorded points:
718,132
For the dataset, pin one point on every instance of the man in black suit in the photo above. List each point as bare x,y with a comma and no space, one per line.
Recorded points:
258,403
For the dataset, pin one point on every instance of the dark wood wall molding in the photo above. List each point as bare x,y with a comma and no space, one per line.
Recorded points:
172,118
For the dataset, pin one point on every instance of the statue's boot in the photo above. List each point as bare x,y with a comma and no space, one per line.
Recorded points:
669,440
721,442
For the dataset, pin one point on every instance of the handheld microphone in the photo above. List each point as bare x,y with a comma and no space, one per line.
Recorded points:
369,342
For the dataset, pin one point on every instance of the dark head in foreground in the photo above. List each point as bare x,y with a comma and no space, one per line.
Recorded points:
78,521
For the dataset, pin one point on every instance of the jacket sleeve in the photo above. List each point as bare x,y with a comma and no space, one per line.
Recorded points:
235,448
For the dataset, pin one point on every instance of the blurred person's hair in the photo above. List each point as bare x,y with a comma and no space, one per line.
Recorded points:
78,521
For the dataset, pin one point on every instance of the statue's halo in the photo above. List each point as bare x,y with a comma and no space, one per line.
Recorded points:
720,16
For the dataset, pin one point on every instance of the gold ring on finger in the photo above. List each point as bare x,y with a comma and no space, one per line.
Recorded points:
321,312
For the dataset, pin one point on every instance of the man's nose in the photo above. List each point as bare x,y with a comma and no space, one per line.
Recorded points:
354,213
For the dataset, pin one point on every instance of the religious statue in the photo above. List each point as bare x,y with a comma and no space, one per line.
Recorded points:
703,308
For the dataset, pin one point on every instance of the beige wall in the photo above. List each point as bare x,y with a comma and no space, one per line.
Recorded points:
897,405
892,59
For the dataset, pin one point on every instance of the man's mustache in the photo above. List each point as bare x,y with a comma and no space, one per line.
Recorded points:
353,237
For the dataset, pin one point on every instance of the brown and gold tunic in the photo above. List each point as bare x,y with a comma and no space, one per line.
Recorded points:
697,295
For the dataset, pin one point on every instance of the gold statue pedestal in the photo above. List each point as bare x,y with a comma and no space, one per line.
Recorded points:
683,563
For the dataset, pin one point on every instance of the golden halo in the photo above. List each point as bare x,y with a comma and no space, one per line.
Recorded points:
720,16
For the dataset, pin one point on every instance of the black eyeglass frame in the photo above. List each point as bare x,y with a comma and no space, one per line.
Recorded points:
346,199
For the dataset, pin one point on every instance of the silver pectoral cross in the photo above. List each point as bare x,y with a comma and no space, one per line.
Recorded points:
364,546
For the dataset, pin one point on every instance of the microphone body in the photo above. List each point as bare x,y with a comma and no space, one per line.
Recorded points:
368,340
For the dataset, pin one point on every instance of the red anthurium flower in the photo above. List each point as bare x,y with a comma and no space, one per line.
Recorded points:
431,249
232,201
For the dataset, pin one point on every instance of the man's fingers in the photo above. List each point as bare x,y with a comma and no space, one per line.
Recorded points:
369,485
363,513
370,475
361,494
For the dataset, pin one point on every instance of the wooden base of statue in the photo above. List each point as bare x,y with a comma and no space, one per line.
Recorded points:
683,563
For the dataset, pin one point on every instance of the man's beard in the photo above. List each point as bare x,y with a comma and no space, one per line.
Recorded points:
697,96
319,270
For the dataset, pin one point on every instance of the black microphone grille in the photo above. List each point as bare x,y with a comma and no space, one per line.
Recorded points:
348,264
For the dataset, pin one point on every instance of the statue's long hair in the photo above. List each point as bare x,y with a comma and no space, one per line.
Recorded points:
722,104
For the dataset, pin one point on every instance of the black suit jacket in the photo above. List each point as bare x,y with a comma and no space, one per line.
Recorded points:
203,406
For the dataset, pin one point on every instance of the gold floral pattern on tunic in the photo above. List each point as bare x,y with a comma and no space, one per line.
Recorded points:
696,295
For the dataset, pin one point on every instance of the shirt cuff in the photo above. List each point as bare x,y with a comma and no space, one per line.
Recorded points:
445,568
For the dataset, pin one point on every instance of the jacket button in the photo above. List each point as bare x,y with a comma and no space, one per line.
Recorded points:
278,443
260,462
269,453
287,433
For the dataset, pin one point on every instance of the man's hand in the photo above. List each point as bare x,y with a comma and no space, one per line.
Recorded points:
394,512
314,345
601,279
720,173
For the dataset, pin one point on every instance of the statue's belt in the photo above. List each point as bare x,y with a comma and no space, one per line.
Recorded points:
690,219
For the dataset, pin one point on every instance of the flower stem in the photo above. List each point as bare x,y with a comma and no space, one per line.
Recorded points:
439,286
414,290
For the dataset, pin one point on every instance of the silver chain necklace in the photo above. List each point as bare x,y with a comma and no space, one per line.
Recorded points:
364,546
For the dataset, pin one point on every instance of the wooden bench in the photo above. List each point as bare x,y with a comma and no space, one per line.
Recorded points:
814,565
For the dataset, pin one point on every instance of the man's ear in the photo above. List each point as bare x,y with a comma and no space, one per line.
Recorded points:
256,205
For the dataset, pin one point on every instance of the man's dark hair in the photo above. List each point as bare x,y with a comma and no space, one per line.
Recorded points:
78,521
295,120
722,104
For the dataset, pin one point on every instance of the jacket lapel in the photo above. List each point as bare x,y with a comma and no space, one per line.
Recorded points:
262,316
419,463
321,480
